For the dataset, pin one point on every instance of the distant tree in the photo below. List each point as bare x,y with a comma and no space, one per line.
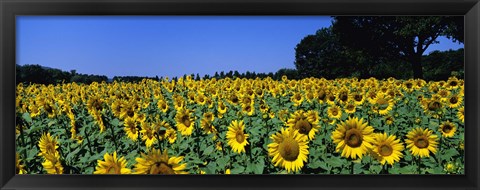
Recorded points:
322,55
396,37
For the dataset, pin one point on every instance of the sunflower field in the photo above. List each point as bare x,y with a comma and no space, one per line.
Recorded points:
242,126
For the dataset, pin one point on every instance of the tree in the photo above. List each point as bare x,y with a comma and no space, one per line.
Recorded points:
396,37
322,55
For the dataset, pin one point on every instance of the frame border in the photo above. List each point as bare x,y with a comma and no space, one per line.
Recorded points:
11,8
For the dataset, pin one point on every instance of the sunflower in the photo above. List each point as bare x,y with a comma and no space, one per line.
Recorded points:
408,85
234,99
289,149
185,122
358,98
201,99
171,135
248,109
237,139
207,126
382,104
304,123
334,112
387,148
421,142
389,120
148,133
47,144
156,162
222,109
111,165
452,83
50,108
454,101
297,99
52,164
131,128
350,107
330,98
95,103
461,114
162,105
353,137
19,168
34,110
448,129
209,116
343,95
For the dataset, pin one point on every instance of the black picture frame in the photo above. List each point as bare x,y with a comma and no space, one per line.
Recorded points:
9,9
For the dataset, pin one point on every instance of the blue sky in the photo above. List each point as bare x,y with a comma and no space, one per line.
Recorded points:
167,45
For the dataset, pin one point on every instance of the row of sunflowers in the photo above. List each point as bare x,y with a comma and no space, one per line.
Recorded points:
242,126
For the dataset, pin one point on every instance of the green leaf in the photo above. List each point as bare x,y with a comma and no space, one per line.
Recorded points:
72,154
223,161
324,166
237,169
211,168
26,117
115,122
335,162
208,150
448,154
258,168
409,169
32,152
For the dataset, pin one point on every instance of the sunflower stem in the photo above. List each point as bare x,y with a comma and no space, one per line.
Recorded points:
23,139
113,137
88,142
419,163
351,168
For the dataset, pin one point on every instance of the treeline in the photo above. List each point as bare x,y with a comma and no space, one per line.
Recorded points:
438,65
290,73
44,75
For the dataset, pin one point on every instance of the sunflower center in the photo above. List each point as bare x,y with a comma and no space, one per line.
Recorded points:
321,94
358,97
409,85
130,113
343,97
48,108
113,169
161,168
186,120
434,106
453,100
298,97
234,99
97,105
331,98
303,127
447,128
248,108
385,150
334,112
453,83
421,142
240,137
350,107
353,138
289,149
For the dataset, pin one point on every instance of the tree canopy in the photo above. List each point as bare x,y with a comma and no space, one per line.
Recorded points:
374,46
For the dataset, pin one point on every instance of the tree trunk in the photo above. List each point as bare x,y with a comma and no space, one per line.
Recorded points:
417,66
